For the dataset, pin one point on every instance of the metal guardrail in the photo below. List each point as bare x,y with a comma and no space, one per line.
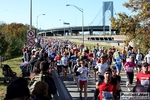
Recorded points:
62,90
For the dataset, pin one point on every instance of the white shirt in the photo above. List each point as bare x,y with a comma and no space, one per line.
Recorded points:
83,76
139,59
64,61
94,60
101,68
147,58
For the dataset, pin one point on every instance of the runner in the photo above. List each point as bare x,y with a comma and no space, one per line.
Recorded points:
58,63
116,79
64,62
143,77
101,67
107,89
129,69
83,79
94,63
139,58
147,57
118,64
76,74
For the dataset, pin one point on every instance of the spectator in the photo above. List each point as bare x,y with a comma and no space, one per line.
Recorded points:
17,90
44,67
40,91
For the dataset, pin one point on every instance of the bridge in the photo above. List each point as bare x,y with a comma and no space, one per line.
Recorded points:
61,31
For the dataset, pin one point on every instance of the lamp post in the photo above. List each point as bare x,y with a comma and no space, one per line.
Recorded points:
37,21
30,27
82,20
64,23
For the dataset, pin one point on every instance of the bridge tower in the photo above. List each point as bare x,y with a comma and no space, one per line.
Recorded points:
108,5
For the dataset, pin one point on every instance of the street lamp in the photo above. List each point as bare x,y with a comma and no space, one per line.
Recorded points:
64,23
30,15
82,20
37,20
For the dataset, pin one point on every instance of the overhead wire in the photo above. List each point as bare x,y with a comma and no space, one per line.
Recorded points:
104,14
96,16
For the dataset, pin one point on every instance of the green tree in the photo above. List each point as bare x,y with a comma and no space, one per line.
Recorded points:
135,26
12,37
3,44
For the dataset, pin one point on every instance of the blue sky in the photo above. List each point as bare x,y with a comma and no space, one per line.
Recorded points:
19,11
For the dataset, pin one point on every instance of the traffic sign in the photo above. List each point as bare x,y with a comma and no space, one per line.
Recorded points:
31,42
30,34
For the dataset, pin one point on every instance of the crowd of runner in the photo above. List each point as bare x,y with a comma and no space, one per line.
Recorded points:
106,63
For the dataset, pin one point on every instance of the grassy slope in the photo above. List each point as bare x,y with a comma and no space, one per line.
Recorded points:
91,45
14,64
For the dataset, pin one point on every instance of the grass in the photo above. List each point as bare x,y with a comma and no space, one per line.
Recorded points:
15,66
91,45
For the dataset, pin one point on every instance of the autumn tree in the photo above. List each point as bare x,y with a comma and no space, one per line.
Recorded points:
135,26
12,37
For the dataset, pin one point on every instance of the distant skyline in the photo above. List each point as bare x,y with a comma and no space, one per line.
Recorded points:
18,11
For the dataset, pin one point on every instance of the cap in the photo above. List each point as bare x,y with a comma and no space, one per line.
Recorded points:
20,86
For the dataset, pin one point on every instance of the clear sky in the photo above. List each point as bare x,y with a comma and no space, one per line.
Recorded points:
19,11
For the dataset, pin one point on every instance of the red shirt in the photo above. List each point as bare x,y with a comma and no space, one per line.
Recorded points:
143,79
113,50
107,91
75,51
57,58
90,55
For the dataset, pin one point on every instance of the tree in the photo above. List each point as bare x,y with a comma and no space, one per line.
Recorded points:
3,44
135,26
12,37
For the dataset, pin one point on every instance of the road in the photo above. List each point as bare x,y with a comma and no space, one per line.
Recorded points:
72,88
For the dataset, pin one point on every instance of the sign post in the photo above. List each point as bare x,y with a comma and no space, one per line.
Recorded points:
30,38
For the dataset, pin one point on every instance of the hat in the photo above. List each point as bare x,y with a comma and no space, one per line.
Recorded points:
107,69
17,88
145,64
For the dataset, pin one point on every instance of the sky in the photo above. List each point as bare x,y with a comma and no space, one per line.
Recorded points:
56,12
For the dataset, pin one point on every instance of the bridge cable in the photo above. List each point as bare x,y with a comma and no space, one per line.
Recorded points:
96,16
104,15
